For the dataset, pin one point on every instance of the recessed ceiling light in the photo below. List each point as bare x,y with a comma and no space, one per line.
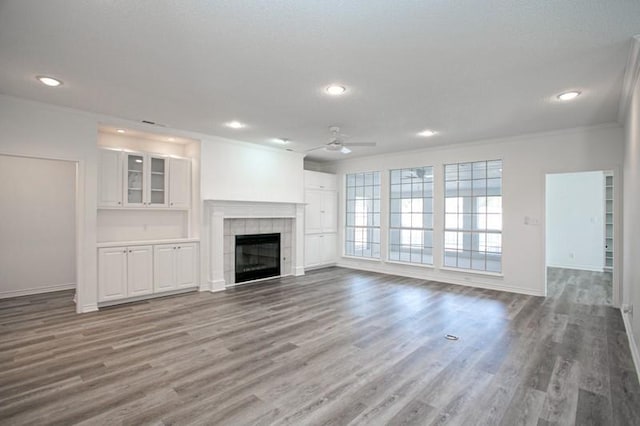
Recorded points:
567,96
120,131
335,89
49,81
171,139
427,133
235,125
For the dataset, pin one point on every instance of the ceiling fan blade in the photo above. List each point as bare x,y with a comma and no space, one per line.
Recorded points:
316,148
361,143
345,150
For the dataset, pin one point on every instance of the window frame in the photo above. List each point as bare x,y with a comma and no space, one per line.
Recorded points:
372,231
471,235
415,251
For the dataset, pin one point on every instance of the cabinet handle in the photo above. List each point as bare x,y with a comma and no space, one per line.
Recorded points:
171,203
174,248
124,251
119,202
129,251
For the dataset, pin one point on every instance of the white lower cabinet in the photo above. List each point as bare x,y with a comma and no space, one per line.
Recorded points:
319,249
174,267
133,271
124,272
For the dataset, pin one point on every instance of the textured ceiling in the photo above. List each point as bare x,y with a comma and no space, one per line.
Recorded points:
469,69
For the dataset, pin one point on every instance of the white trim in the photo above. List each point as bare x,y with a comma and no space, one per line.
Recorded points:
576,267
635,353
631,76
320,266
37,290
472,272
259,280
446,280
91,307
368,259
146,297
417,265
146,243
299,270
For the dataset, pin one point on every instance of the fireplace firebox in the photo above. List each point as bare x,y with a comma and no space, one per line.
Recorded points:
257,256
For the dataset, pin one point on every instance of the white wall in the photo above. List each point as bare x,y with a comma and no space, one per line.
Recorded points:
632,201
39,130
37,225
527,159
575,220
237,171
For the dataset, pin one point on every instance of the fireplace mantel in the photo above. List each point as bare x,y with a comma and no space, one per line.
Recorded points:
214,214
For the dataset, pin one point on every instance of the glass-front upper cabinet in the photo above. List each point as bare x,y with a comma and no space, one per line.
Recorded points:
135,179
146,180
158,182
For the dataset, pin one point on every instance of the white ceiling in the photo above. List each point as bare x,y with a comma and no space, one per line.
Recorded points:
469,69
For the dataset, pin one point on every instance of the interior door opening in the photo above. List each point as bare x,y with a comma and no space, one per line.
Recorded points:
579,236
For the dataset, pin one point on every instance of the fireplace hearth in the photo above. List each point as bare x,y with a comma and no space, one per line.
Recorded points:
257,256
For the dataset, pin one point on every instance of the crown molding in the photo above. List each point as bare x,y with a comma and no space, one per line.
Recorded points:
631,76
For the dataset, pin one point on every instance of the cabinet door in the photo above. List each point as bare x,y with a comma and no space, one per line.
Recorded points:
328,181
329,250
313,211
179,183
135,179
186,256
164,268
329,211
109,178
312,250
158,182
112,274
139,270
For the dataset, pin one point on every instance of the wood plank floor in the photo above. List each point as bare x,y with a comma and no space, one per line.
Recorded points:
334,347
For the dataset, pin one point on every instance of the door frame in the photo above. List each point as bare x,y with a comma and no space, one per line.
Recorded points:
616,282
79,221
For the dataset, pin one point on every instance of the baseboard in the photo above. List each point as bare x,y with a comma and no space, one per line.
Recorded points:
324,265
635,354
298,271
38,290
91,307
146,297
445,279
576,267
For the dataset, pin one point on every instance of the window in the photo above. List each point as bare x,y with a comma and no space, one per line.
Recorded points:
362,232
473,216
411,215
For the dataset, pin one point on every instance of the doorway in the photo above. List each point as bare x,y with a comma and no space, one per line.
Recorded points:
579,238
37,226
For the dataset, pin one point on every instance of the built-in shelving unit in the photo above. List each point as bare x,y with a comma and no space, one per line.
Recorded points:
608,222
148,241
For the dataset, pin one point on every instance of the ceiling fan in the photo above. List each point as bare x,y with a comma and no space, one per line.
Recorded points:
337,144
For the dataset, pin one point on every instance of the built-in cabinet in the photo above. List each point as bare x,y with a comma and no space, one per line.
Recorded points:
321,219
109,178
133,271
608,222
143,180
174,266
124,272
